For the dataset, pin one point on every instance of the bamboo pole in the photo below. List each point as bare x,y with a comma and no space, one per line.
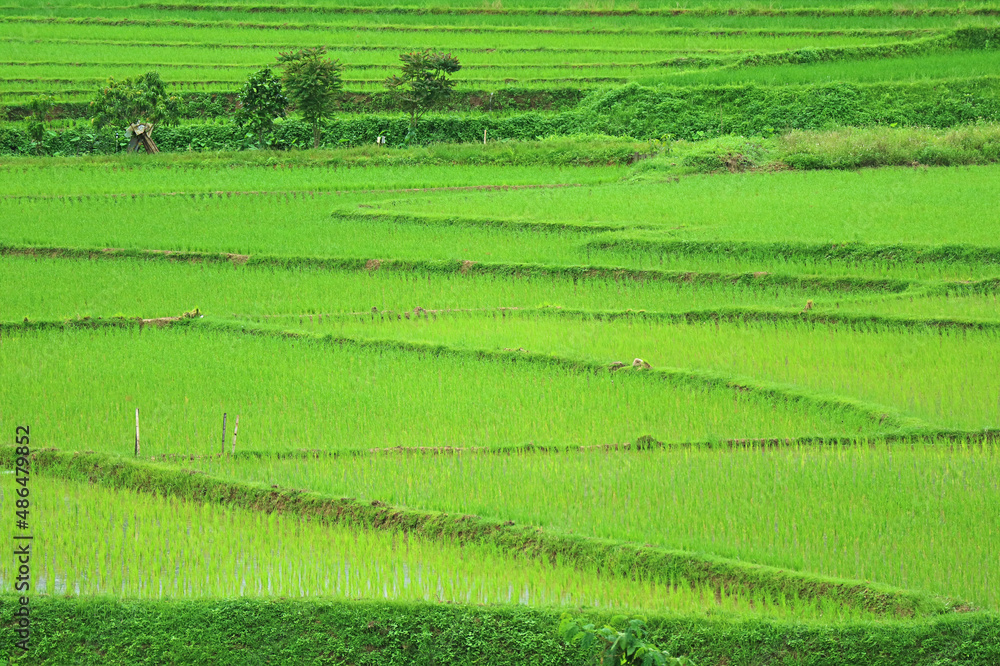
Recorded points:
137,432
223,432
236,430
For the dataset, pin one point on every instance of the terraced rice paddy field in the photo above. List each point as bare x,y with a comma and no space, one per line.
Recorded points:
69,48
743,386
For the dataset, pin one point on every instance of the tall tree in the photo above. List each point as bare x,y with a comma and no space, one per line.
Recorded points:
312,83
424,81
261,102
140,99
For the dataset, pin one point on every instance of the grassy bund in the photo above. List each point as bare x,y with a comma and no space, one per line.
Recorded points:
706,333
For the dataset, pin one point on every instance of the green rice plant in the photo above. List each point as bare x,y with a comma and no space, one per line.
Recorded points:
400,32
700,8
982,306
131,545
809,49
945,377
207,201
916,516
298,224
80,48
47,288
923,206
126,51
226,78
938,66
375,311
87,384
273,173
656,252
672,66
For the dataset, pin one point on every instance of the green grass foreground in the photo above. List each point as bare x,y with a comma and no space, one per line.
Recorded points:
68,630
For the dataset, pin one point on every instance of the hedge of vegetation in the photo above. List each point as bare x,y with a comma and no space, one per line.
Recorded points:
107,631
632,110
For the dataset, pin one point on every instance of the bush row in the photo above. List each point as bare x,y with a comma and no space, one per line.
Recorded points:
221,104
630,111
843,148
752,110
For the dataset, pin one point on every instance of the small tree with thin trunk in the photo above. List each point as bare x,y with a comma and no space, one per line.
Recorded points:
39,109
424,82
140,99
261,101
312,83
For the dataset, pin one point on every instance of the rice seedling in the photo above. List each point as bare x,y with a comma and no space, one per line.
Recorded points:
916,516
198,49
300,224
938,66
125,175
180,54
945,377
814,207
101,541
969,306
319,342
877,206
44,288
399,31
86,384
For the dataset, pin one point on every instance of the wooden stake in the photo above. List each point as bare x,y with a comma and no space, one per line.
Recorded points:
137,431
236,430
223,432
484,137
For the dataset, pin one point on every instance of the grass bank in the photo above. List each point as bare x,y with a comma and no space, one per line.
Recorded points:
110,631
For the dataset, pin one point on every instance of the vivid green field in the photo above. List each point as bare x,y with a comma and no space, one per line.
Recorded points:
627,222
309,559
810,508
490,321
344,394
705,331
67,49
